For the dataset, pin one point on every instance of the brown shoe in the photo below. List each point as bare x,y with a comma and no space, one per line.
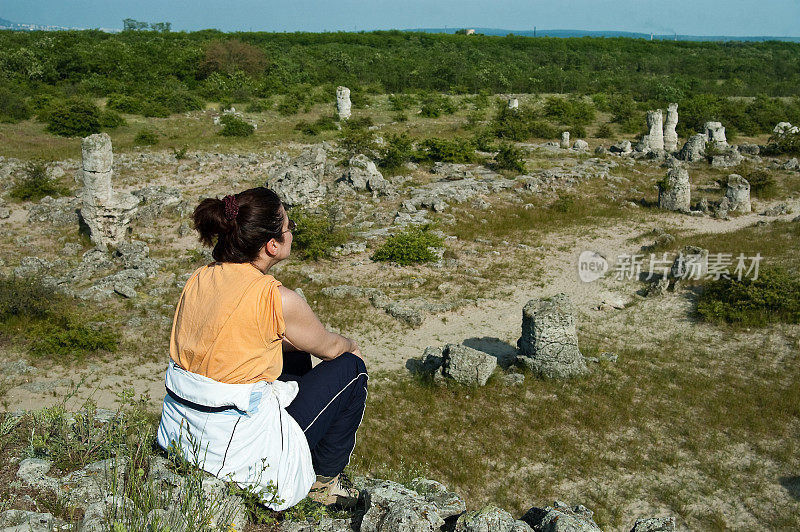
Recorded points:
334,491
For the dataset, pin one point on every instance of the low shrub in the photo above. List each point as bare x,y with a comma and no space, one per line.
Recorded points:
49,324
316,235
397,151
258,106
111,120
146,137
456,150
786,144
13,107
323,123
356,138
569,110
412,246
74,118
125,104
604,132
762,183
434,105
401,102
36,184
774,296
483,139
233,126
509,157
290,104
564,204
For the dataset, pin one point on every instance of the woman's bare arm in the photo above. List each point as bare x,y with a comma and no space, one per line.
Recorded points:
306,333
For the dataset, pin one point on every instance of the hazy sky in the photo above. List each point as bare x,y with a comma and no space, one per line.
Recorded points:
693,17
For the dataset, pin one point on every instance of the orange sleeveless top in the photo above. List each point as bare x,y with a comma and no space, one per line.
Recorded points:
229,324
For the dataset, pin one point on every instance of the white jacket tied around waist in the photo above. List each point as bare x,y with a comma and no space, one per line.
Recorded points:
251,440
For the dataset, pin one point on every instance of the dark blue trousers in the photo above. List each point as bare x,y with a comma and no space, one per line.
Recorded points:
329,406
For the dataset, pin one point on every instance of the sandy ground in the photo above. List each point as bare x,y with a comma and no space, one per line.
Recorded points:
491,325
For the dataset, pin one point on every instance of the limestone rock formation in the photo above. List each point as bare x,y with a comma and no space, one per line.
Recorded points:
561,518
694,149
363,175
785,128
105,212
738,193
343,102
549,341
300,182
729,157
466,365
715,132
674,191
490,518
391,506
655,524
670,136
654,140
513,104
580,145
622,147
564,140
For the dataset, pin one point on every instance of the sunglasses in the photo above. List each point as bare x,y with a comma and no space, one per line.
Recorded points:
292,226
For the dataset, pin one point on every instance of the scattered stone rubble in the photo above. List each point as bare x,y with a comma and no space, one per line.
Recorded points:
105,212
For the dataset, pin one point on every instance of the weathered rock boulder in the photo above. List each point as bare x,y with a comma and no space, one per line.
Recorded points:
730,156
655,524
25,521
490,519
785,128
622,147
674,191
715,132
466,365
363,175
694,149
738,194
670,136
561,518
343,104
301,181
56,211
513,104
549,341
447,502
106,213
580,145
564,144
654,140
391,507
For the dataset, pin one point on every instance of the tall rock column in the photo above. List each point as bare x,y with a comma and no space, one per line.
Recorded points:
513,103
106,213
343,102
674,191
654,140
670,136
564,140
738,194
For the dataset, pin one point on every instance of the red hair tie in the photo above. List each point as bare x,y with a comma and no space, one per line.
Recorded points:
231,207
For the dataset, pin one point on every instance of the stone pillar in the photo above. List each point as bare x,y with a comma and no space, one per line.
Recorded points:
513,104
674,192
343,102
654,140
715,133
738,194
670,136
565,140
106,213
694,149
549,342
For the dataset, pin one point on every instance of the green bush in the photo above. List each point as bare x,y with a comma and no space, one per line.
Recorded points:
13,107
771,298
483,139
36,184
541,130
146,137
569,111
456,150
401,102
316,235
604,132
397,151
356,138
412,246
762,183
564,204
125,104
111,120
154,110
44,318
786,144
509,157
290,104
258,106
323,123
233,126
434,105
74,118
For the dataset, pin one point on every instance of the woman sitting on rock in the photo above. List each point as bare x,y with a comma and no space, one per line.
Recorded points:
243,401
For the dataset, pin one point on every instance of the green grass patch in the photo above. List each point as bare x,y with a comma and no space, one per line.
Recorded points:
412,246
773,297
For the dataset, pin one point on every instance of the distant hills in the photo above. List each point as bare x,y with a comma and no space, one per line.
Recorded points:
6,24
631,35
